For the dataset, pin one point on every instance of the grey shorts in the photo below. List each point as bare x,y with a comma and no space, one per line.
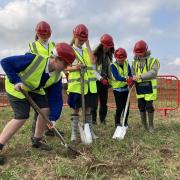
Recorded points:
21,107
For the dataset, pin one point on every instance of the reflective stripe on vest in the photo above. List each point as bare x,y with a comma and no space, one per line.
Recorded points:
31,78
34,48
32,68
122,72
87,68
79,80
147,67
54,78
37,48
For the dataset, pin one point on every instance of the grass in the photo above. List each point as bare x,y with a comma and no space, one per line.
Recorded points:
140,155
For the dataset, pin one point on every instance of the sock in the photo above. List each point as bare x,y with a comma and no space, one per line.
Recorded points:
1,146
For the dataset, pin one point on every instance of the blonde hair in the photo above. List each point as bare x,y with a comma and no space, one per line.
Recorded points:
36,37
72,41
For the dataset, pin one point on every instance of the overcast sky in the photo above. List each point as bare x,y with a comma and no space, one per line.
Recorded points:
155,21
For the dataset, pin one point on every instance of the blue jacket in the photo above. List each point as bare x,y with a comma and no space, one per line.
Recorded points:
116,74
15,64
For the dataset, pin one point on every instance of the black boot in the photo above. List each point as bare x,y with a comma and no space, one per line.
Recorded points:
144,120
2,157
102,119
2,160
151,122
38,143
102,114
94,115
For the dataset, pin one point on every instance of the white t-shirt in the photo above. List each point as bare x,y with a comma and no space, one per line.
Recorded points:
80,51
47,68
46,45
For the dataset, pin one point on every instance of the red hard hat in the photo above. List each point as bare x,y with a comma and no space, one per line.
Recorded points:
43,30
140,48
65,52
107,41
81,32
120,53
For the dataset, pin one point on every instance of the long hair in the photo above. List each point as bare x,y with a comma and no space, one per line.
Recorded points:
99,52
147,54
72,41
36,37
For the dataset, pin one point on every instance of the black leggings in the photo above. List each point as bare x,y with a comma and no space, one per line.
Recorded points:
103,96
144,105
120,99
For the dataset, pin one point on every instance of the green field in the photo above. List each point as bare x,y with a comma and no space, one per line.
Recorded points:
140,155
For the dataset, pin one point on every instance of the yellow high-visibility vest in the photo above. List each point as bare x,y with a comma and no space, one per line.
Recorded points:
37,48
122,72
31,77
74,81
148,66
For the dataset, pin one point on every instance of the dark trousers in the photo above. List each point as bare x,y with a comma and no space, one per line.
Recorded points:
144,105
102,91
120,99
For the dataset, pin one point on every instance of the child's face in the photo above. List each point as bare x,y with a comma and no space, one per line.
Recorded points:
44,39
79,42
105,49
60,65
121,60
140,55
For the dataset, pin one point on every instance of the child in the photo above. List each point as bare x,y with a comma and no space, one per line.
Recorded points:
33,73
84,57
121,79
145,69
42,46
103,55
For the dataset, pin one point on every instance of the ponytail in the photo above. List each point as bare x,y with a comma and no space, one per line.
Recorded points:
36,37
72,42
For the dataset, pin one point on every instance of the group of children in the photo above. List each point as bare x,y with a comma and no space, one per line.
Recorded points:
40,72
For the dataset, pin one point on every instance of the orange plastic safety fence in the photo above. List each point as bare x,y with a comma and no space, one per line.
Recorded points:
168,94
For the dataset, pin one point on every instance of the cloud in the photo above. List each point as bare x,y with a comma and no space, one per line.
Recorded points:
18,18
127,21
170,66
176,61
